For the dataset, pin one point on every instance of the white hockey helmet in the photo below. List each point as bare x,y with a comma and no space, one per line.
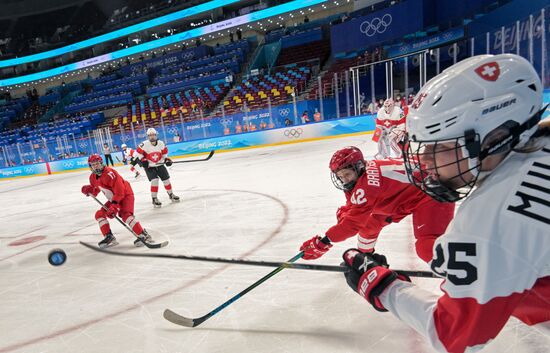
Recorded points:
151,131
466,103
123,146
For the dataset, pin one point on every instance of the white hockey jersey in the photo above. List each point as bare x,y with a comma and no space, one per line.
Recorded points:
495,258
155,154
388,121
129,153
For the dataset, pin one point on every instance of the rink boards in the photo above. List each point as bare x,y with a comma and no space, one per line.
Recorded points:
291,134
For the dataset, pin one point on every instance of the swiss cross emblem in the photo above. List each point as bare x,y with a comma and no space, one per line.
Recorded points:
387,123
489,71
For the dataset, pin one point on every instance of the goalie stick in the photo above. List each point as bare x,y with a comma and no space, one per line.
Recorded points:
197,160
184,321
149,245
289,265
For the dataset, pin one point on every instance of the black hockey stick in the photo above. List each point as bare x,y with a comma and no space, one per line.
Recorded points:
289,265
149,245
197,160
184,321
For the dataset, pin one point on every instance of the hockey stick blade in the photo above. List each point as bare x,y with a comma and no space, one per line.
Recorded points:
155,245
180,320
184,321
197,160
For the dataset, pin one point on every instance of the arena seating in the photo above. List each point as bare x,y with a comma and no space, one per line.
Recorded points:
36,134
314,50
10,110
277,86
168,107
338,67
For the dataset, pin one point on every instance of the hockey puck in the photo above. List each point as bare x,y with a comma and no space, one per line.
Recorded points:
57,257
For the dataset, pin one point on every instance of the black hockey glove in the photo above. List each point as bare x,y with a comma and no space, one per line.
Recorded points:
368,275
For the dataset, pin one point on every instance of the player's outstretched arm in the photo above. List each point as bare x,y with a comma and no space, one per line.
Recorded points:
449,324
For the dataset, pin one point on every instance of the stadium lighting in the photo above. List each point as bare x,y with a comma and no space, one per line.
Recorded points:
178,15
162,42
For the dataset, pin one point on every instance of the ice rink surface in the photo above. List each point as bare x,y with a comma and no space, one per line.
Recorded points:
257,204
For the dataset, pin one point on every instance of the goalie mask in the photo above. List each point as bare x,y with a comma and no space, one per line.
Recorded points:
481,106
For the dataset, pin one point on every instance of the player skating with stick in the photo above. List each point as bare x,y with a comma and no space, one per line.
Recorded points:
153,154
121,201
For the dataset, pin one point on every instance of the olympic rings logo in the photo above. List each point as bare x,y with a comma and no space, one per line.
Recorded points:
83,144
68,164
293,133
284,112
29,170
376,25
124,138
173,130
226,121
188,56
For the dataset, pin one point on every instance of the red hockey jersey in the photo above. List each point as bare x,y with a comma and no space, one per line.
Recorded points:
384,195
111,184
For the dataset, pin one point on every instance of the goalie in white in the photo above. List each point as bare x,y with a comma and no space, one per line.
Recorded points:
390,129
475,126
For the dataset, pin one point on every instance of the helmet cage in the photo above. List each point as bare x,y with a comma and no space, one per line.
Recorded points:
426,179
501,140
97,171
358,167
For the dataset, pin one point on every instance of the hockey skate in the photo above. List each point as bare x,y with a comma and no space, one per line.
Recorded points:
156,202
143,237
108,241
174,198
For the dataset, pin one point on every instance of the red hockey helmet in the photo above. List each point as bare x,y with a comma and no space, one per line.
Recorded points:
346,158
95,162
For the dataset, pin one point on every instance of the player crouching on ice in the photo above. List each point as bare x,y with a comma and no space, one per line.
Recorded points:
390,129
130,154
378,193
475,126
153,154
121,201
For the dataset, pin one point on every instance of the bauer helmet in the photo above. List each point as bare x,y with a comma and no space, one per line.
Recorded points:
481,106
